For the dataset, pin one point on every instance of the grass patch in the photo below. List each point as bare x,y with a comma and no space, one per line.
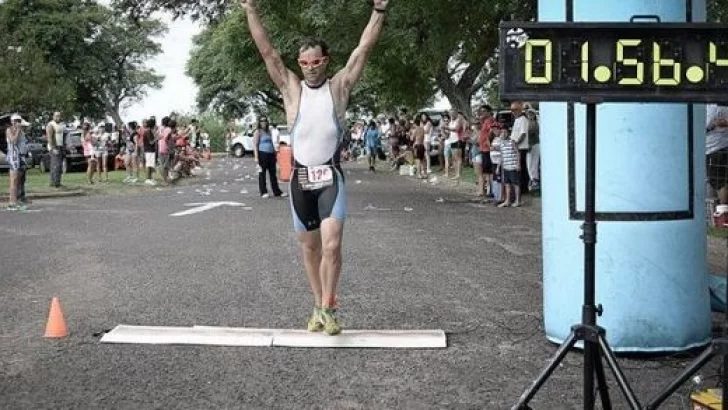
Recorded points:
39,183
717,232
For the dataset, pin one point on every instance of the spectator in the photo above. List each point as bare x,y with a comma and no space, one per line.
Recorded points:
265,157
373,140
511,163
54,133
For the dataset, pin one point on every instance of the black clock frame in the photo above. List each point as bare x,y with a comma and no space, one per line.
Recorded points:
592,335
512,88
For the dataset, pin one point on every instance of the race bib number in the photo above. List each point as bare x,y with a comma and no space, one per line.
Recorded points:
316,177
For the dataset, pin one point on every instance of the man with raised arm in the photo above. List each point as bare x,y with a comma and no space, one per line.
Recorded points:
315,111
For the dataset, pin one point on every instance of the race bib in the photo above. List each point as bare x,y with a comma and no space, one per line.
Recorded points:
316,177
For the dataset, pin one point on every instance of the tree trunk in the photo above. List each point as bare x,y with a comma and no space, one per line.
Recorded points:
114,113
458,96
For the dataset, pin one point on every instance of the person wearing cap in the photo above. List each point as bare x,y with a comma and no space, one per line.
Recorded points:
17,150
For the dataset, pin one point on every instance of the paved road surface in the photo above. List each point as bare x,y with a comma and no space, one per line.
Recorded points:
470,269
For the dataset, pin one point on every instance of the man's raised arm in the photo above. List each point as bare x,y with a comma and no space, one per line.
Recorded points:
358,59
278,72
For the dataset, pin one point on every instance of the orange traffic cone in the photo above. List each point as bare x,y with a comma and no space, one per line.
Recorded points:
56,326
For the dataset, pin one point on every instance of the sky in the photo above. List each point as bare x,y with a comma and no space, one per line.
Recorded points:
178,91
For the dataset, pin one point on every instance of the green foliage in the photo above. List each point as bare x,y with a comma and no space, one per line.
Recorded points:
427,46
717,11
75,56
27,82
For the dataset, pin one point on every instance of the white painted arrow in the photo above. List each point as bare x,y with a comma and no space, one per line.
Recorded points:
205,206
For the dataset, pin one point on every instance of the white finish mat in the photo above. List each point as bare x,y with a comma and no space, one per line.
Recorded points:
235,336
185,336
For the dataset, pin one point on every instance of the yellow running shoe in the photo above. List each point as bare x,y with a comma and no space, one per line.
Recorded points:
315,323
331,326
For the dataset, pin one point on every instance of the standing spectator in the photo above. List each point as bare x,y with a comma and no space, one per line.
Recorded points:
22,173
476,158
89,151
229,136
511,163
102,152
485,137
519,133
16,160
458,128
429,134
533,160
192,133
206,147
54,133
265,157
393,136
131,160
373,141
149,143
165,144
497,188
418,138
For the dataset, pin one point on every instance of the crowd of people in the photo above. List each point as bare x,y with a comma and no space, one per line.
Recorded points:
504,154
169,150
172,150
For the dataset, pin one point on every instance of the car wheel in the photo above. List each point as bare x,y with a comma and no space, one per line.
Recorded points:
239,151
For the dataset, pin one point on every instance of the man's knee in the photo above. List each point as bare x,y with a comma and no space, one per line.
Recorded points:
332,248
310,241
332,235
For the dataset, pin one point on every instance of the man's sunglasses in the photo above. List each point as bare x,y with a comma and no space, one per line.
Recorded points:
316,62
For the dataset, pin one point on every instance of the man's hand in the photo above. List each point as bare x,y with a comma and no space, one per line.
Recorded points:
378,4
247,4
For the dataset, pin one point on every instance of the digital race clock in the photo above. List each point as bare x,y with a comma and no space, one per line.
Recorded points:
662,62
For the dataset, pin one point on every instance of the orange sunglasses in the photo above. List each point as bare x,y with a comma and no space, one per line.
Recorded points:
316,62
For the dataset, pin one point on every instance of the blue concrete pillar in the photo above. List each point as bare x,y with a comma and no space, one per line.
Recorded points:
651,244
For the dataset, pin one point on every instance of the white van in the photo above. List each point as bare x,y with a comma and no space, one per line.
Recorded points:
242,144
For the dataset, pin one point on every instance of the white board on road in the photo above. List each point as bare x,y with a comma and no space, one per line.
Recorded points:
184,336
236,336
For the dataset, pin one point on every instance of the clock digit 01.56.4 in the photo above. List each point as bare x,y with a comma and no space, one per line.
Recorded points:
678,62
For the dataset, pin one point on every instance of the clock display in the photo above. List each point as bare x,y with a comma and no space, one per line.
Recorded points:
662,62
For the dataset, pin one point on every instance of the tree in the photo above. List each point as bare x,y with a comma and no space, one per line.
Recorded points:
121,51
717,11
30,85
427,46
54,33
75,56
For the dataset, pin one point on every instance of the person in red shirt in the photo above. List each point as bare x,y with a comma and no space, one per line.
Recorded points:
487,125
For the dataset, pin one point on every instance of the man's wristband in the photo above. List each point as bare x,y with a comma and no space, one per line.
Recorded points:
380,10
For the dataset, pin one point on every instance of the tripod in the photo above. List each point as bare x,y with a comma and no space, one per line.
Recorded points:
593,336
718,347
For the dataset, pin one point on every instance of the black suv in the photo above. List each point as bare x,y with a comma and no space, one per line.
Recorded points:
73,141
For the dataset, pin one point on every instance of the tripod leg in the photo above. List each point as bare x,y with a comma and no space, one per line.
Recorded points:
602,383
546,373
591,351
618,374
682,377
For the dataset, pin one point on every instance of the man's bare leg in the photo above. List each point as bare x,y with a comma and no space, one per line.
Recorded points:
332,230
311,249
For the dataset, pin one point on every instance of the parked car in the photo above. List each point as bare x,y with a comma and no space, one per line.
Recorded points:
243,143
4,124
74,153
37,146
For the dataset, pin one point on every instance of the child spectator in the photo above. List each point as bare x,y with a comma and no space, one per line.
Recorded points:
511,163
